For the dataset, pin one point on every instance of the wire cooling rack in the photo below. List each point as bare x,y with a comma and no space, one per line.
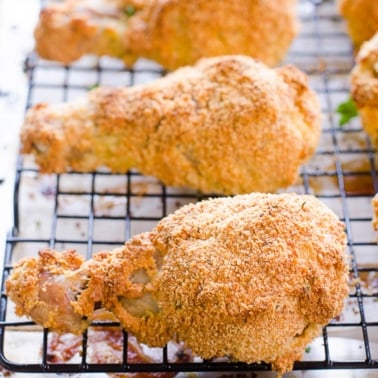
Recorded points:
97,211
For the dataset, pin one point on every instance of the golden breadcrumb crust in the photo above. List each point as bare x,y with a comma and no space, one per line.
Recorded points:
253,277
374,203
228,125
361,17
364,86
171,32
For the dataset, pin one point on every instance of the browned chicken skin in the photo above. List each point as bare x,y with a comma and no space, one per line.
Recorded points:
228,125
171,32
253,277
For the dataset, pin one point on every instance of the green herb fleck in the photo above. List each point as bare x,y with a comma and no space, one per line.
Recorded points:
93,86
129,10
308,349
347,111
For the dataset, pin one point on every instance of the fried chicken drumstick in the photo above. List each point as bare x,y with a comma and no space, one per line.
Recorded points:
228,125
171,32
364,86
253,277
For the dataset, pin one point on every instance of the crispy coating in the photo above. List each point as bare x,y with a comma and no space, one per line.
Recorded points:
374,203
364,87
253,277
171,32
362,19
227,125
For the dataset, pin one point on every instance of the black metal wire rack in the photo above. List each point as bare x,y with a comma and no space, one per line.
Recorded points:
96,211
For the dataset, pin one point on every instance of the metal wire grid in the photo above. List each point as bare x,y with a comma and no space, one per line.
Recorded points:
92,212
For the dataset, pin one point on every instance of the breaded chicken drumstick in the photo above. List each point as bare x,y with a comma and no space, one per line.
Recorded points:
228,125
171,32
253,277
364,87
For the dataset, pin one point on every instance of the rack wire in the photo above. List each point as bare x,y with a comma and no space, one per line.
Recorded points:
97,211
